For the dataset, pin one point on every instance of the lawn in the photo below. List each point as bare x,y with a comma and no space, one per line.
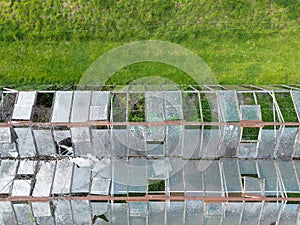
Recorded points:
243,42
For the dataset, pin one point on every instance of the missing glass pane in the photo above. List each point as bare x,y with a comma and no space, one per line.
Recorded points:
156,186
136,108
43,107
250,134
286,106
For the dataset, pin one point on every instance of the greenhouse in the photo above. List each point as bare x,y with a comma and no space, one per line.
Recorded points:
145,154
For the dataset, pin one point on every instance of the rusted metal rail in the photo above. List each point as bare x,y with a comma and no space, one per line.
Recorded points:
243,123
147,198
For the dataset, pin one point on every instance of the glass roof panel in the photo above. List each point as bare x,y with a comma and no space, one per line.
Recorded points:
62,106
228,106
250,112
80,107
231,175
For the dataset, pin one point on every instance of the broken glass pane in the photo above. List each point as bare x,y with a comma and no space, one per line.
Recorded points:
101,213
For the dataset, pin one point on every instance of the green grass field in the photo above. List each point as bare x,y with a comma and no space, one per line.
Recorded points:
243,42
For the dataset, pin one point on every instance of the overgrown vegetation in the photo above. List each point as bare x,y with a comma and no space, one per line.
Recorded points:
55,41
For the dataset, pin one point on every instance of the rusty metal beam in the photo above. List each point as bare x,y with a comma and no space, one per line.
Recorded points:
148,198
243,123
